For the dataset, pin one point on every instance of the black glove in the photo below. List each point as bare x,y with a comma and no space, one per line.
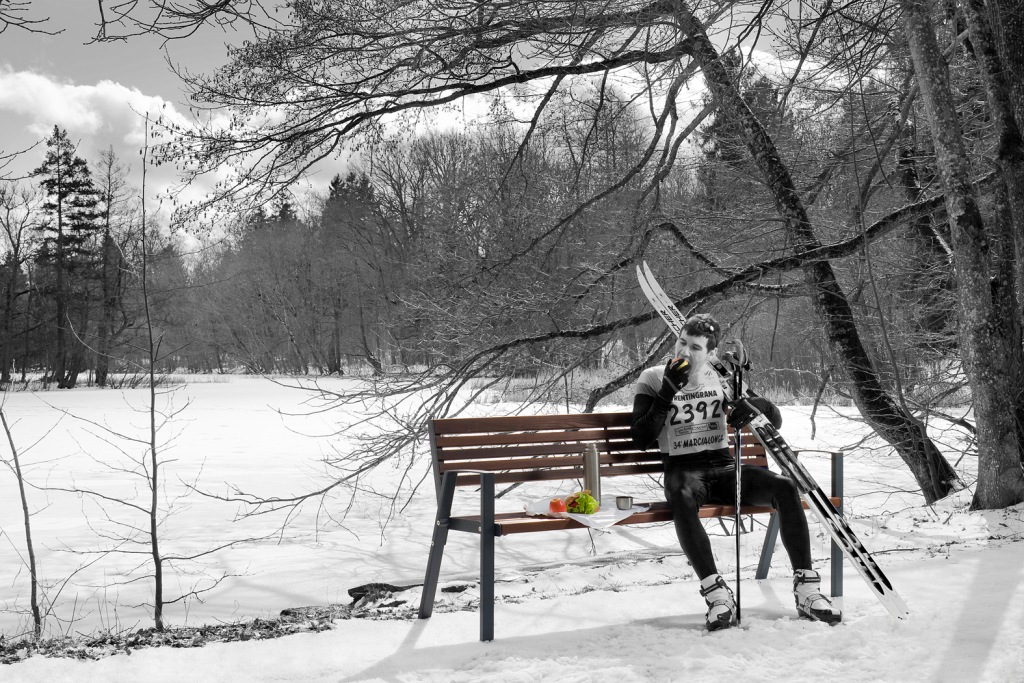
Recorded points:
743,412
732,355
677,373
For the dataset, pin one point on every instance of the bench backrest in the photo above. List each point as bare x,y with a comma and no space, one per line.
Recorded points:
548,447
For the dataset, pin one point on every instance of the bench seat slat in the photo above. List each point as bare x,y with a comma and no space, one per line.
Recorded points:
508,523
557,474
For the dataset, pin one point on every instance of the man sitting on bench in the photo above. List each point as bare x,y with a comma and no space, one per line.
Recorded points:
683,407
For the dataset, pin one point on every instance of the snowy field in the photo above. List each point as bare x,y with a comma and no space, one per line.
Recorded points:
621,605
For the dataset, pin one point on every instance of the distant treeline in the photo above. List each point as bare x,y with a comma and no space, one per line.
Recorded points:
446,243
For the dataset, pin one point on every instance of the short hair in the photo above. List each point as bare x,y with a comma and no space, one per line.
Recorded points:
703,325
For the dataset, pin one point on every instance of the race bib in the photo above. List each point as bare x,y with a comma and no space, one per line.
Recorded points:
696,420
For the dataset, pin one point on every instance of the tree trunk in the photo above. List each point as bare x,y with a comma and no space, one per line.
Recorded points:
930,264
7,335
105,329
899,428
62,305
1007,305
985,338
26,328
1007,20
1004,89
1007,289
371,358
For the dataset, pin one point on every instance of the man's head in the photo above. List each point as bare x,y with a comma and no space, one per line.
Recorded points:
703,325
699,338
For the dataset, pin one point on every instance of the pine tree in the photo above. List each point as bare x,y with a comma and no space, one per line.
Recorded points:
67,242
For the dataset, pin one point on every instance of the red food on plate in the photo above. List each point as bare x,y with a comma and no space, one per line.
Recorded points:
557,505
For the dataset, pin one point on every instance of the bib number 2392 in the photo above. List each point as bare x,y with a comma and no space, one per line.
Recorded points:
688,412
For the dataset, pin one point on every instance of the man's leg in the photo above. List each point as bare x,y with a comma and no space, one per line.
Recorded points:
762,487
686,492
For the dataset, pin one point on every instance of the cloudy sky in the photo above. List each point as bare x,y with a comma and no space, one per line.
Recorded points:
98,91
94,91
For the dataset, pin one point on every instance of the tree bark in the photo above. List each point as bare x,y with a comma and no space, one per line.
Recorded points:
1004,88
105,329
902,430
7,335
1008,286
985,338
1007,19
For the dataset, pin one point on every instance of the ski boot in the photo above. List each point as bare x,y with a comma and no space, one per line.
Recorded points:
810,602
720,602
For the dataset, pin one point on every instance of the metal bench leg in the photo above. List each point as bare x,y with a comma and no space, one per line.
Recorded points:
837,553
487,556
440,537
768,549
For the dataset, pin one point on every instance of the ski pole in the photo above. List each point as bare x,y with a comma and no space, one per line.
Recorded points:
737,386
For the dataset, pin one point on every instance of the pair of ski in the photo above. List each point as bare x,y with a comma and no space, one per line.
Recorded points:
791,467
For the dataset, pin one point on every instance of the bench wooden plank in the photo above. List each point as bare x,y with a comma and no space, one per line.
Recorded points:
565,468
469,425
508,523
557,448
495,438
557,474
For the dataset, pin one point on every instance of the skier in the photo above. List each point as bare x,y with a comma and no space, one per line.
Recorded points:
684,408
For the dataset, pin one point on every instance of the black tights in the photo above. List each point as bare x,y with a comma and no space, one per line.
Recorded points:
687,488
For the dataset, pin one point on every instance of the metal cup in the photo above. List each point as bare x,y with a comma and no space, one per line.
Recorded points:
623,502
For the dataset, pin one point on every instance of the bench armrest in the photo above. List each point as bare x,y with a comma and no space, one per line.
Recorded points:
830,451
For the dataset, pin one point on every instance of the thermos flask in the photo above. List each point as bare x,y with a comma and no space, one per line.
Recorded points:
592,471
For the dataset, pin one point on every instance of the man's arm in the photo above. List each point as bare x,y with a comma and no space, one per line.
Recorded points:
768,409
749,407
649,413
653,398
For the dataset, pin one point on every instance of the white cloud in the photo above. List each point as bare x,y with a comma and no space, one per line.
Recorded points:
105,110
106,114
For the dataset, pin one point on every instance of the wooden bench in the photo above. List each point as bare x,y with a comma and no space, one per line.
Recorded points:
482,452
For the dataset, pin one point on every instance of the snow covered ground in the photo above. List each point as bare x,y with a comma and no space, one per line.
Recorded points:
619,605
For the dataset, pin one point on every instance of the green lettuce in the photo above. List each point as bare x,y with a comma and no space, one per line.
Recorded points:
583,503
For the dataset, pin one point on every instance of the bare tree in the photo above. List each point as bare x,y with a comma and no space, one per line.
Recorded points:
173,19
16,14
987,339
20,213
118,230
15,465
136,524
